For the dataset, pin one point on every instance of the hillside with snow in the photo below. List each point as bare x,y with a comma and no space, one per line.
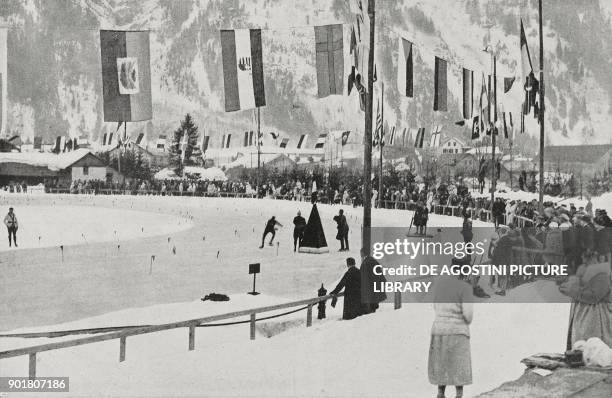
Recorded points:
55,78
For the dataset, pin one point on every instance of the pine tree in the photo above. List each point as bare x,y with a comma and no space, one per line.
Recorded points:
177,161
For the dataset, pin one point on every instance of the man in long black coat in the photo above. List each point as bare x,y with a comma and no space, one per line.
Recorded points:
343,230
298,231
351,283
369,279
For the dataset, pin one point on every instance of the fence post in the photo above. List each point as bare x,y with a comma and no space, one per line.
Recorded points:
192,337
122,349
398,300
253,326
309,316
32,366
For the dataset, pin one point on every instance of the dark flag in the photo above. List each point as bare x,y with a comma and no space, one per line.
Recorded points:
329,60
104,139
468,93
243,79
126,75
302,141
139,139
345,137
440,85
353,45
227,141
205,143
405,68
508,82
246,138
321,141
251,136
420,137
476,128
460,123
526,66
505,126
110,139
284,143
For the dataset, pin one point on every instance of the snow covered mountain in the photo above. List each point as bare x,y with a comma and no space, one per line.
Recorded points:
55,78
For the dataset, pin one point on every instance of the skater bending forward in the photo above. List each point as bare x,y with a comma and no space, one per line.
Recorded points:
270,229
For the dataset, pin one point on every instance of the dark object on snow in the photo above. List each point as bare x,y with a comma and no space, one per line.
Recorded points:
216,297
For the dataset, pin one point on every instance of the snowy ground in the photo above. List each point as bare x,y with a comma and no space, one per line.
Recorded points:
106,282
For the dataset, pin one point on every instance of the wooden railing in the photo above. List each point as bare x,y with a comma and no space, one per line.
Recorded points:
190,324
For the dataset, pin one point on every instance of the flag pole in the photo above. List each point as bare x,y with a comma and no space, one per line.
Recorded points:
367,138
541,110
258,150
381,144
493,133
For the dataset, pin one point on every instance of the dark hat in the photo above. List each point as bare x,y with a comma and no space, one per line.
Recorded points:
350,261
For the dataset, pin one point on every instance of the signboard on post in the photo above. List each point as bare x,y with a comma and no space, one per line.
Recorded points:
254,269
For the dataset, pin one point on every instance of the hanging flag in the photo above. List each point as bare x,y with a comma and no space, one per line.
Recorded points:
468,93
476,128
246,139
504,125
110,139
353,45
243,79
161,142
139,138
228,140
205,141
321,141
405,68
404,133
126,75
522,122
104,139
351,80
329,60
440,85
378,130
62,145
3,80
274,136
284,142
75,144
508,82
38,142
420,137
436,136
526,66
184,142
391,137
484,106
302,141
345,137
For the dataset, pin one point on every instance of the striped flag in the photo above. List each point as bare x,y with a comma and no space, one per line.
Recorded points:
161,142
405,68
420,137
321,141
468,93
302,141
440,86
284,142
126,75
378,132
3,79
329,60
392,136
436,136
243,79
